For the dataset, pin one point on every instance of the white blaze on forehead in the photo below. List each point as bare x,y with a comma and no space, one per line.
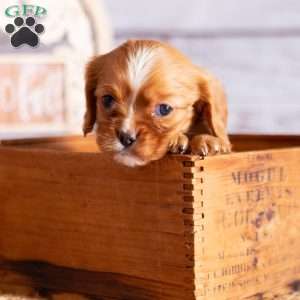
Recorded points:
139,66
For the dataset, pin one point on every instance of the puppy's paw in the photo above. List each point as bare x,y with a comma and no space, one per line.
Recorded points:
179,144
205,144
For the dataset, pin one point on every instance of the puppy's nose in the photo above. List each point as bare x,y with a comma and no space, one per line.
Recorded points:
125,138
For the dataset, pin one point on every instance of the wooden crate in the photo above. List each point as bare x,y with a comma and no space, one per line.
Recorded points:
219,228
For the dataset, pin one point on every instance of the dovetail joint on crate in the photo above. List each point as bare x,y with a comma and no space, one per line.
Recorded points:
188,210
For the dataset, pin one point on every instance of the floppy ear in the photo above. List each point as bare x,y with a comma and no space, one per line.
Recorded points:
91,78
213,107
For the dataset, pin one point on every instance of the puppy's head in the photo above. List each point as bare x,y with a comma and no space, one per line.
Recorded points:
141,95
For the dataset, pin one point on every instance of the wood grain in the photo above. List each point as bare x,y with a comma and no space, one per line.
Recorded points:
225,227
134,227
247,224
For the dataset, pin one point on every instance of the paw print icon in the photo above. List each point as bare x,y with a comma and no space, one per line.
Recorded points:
24,32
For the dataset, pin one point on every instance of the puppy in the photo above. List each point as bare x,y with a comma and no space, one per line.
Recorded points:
147,98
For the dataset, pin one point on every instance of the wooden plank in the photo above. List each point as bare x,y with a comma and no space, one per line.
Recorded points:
77,143
175,16
74,143
247,224
42,140
263,142
48,279
179,228
68,212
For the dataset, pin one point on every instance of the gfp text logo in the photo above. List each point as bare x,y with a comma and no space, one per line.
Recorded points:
25,30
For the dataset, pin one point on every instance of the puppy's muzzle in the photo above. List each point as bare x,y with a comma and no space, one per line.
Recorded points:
125,138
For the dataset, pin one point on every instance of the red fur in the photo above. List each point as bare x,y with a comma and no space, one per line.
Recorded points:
197,97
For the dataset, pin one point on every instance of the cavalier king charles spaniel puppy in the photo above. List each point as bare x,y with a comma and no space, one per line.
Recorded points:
146,99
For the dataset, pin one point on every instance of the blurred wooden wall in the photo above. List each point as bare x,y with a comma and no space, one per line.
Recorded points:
253,46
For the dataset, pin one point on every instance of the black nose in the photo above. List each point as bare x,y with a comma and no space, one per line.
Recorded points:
126,139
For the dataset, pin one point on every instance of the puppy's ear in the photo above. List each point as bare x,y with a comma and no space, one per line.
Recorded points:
91,78
213,106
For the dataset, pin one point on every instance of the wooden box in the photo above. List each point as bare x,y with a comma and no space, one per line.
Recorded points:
219,228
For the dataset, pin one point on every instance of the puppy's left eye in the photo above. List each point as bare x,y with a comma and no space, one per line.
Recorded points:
108,101
162,110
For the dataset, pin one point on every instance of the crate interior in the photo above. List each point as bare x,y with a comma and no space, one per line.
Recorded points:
241,143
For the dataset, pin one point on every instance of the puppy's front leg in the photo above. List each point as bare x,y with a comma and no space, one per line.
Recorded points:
205,144
209,132
179,144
